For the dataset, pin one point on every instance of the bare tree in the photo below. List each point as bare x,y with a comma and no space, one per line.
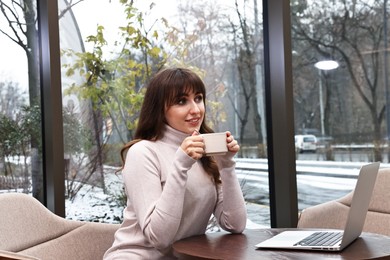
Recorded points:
353,31
22,21
246,43
21,17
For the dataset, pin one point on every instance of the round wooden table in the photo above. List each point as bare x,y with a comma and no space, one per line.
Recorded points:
222,245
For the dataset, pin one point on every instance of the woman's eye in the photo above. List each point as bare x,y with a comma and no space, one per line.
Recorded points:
199,99
181,101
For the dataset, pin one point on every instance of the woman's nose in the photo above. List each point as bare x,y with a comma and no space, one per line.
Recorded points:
194,108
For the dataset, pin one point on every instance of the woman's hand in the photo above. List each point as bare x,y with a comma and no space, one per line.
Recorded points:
193,146
227,161
232,144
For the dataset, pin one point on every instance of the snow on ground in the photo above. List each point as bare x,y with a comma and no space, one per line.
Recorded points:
92,204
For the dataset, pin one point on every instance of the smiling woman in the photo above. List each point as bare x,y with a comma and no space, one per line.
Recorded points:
172,187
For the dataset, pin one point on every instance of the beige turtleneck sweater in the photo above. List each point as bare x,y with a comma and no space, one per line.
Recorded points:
170,197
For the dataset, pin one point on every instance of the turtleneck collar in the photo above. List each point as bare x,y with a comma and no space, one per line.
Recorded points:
173,136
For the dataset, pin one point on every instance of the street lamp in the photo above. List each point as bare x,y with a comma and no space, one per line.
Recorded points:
324,65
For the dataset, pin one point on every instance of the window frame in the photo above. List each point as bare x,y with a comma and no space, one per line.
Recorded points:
51,105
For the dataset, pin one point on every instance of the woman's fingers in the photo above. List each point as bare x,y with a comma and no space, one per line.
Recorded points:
193,146
232,143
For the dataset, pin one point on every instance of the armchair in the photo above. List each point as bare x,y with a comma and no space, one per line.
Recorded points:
28,228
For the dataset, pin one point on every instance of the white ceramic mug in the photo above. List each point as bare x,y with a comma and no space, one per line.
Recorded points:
215,143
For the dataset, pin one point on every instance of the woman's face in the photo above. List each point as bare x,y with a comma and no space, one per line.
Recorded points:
187,114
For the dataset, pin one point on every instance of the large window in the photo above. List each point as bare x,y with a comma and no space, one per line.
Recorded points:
109,49
340,89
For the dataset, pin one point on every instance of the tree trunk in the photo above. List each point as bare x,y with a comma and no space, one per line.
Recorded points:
32,52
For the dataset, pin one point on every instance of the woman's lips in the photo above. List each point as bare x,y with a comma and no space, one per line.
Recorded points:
193,121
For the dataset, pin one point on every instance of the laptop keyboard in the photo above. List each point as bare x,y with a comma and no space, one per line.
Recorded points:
321,239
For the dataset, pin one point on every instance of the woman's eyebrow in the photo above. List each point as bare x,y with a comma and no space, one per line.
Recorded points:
184,94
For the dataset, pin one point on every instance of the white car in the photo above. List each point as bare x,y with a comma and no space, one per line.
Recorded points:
305,143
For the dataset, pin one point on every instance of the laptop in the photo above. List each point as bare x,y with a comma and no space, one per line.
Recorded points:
338,239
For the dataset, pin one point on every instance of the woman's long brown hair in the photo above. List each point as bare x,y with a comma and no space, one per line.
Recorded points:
162,92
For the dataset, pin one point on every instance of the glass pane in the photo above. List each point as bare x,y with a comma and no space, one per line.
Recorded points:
105,68
92,188
20,108
340,88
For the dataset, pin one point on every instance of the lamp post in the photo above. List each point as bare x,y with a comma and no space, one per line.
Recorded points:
323,65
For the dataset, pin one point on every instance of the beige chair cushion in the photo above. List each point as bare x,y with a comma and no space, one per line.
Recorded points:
29,228
6,255
333,214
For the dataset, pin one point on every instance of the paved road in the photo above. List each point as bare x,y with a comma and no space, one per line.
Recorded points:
312,190
258,201
342,156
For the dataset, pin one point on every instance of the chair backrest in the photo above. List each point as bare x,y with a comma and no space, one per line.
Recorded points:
333,214
27,227
26,222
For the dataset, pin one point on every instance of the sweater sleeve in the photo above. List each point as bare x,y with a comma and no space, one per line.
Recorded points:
158,209
230,211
